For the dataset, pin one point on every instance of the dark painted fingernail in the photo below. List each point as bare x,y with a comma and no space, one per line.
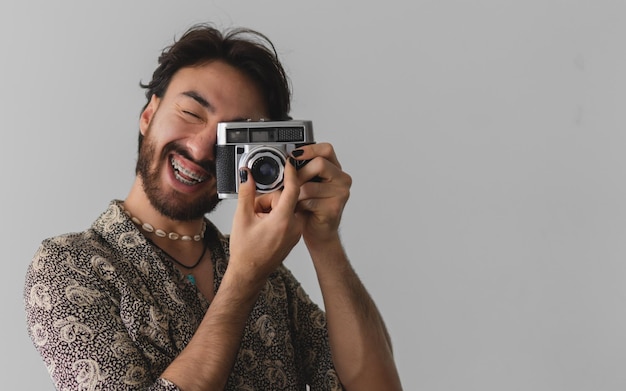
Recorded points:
297,152
243,176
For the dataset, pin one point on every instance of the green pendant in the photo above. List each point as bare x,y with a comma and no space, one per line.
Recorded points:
191,279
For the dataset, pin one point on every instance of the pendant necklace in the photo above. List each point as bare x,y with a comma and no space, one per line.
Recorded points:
190,277
173,236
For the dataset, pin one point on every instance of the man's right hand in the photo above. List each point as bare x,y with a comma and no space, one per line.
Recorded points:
265,228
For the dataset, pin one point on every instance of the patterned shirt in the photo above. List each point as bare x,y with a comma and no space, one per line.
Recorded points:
107,310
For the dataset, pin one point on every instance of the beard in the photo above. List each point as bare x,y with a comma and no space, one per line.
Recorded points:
171,204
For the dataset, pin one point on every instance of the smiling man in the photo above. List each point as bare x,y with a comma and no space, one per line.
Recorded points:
153,296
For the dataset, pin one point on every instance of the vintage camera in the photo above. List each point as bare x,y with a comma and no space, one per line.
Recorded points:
263,147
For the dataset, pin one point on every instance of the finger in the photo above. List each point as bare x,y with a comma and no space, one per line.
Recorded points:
291,189
319,170
264,203
312,151
247,192
333,183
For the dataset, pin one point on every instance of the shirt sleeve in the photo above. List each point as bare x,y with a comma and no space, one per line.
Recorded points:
75,324
311,337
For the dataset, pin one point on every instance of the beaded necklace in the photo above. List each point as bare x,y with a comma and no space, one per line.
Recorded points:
173,236
162,234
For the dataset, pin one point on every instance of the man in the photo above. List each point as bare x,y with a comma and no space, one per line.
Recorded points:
152,296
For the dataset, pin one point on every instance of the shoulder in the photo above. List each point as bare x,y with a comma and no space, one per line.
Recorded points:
79,245
70,255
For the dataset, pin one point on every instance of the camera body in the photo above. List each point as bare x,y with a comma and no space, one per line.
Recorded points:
262,146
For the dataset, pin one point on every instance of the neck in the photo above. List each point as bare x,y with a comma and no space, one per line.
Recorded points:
155,225
185,257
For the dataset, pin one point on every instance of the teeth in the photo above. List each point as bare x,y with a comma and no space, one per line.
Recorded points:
184,180
191,178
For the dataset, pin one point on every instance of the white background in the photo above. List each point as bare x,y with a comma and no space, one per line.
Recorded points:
485,139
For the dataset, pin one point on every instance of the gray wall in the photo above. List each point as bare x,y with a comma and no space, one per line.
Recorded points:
485,138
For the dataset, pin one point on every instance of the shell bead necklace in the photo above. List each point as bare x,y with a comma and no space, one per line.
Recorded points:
162,234
174,236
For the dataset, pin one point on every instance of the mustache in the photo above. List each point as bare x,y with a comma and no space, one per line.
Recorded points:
208,165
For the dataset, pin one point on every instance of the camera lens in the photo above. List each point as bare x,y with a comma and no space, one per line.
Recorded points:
267,166
265,170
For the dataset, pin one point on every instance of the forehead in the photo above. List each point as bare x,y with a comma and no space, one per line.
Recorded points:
223,86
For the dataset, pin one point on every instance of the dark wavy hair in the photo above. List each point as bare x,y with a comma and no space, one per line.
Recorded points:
247,50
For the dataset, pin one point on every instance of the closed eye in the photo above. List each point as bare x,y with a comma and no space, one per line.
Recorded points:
192,114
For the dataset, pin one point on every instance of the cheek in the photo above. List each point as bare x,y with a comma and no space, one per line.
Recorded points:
153,146
176,125
162,132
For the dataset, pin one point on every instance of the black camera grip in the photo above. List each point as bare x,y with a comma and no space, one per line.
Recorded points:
225,168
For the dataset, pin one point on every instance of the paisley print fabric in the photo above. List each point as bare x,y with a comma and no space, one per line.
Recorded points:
108,311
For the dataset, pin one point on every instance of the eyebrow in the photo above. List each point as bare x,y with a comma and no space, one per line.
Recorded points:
198,98
205,103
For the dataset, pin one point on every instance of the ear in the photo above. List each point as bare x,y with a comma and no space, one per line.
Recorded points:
148,114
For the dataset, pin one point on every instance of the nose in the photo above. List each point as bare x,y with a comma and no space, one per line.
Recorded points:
201,145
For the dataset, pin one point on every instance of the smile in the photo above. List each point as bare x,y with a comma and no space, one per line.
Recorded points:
184,175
